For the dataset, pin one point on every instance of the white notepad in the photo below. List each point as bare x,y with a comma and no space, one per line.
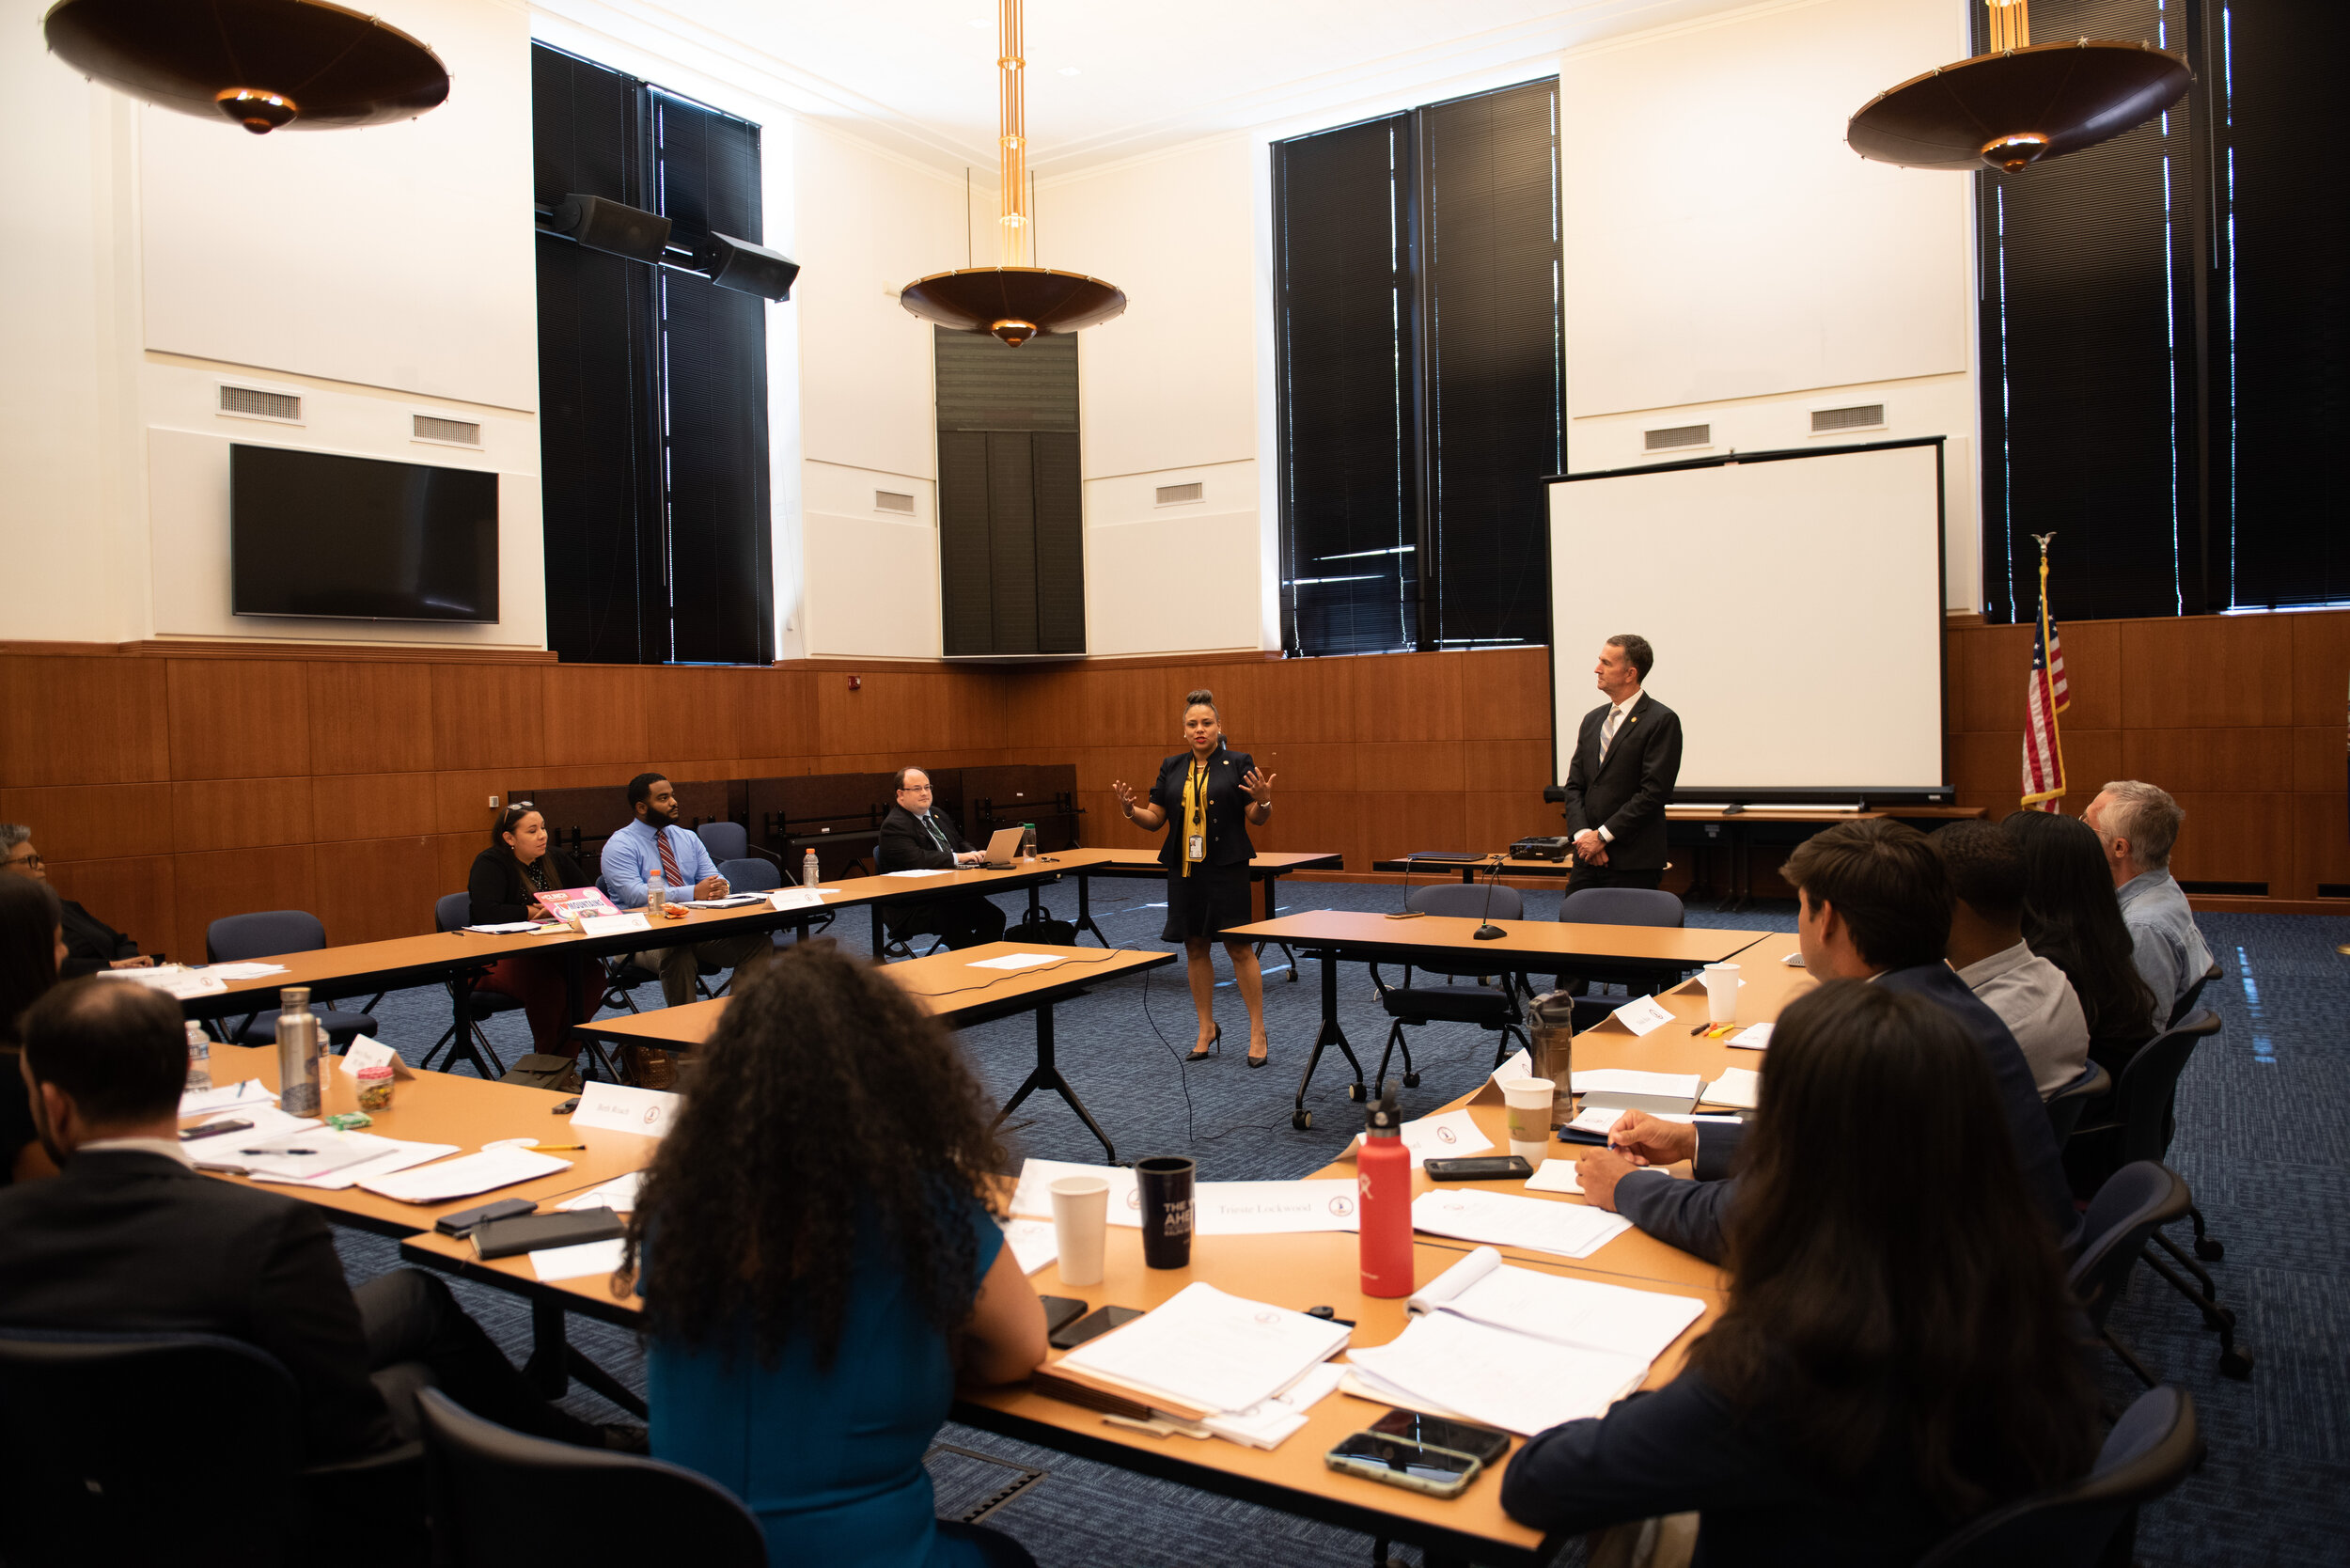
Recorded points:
1212,1351
1581,1313
1511,1381
1498,1219
450,1179
1741,1087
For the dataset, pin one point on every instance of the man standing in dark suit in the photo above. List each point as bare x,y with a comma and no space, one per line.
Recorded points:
1627,757
915,838
129,1238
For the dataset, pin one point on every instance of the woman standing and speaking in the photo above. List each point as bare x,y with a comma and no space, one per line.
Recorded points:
1211,795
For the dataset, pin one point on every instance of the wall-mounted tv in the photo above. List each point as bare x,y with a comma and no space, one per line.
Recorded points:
354,539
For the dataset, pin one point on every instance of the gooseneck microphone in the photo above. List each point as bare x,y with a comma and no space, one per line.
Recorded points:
1487,931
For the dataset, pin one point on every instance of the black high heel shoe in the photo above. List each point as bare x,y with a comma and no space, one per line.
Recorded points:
1259,1061
1214,1046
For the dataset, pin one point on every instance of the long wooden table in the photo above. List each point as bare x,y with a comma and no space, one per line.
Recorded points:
1443,942
1265,870
954,990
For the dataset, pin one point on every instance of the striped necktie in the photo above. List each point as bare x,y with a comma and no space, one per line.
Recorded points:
670,873
1608,731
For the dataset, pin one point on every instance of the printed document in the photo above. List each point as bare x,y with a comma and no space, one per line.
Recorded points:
450,1179
1741,1087
1581,1313
1471,1214
1489,1374
1016,961
1211,1351
574,1263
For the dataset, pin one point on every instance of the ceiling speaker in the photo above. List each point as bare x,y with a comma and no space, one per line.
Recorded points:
610,226
746,268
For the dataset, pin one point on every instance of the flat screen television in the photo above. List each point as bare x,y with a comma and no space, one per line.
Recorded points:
355,539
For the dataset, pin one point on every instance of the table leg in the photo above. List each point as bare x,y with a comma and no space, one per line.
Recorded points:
1273,880
1329,1034
1085,908
879,940
1046,1075
554,1363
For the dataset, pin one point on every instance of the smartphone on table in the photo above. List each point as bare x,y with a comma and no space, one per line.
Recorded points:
1060,1311
1092,1326
1484,1444
1479,1167
1399,1462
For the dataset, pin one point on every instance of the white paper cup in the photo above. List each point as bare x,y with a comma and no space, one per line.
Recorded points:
1721,992
1081,1213
1529,1101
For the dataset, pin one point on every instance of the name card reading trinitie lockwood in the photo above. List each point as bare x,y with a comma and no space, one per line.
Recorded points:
619,1109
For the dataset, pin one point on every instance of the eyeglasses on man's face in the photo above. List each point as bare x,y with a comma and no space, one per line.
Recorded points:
27,858
914,788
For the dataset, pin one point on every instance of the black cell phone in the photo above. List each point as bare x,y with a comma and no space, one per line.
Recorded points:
463,1221
1582,1134
213,1129
1480,1167
1374,1456
564,1107
1100,1321
1482,1443
1060,1311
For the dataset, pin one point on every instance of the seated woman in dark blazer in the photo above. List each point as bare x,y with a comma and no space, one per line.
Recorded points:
507,880
1210,794
1899,1353
821,1266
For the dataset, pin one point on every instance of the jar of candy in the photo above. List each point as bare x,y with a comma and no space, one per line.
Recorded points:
375,1087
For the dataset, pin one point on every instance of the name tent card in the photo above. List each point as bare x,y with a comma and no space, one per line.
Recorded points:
1643,1013
374,1052
621,1109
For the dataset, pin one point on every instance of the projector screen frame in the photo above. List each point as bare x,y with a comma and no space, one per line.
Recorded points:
1856,794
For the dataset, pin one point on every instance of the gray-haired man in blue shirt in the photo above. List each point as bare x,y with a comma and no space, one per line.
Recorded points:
2138,823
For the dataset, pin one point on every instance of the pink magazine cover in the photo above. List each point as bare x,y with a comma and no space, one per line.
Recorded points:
568,903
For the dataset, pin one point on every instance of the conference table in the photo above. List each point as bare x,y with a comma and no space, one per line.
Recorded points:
1444,943
957,990
1301,1271
1266,871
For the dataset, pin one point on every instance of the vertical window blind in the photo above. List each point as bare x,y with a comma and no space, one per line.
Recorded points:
1421,389
2163,332
653,383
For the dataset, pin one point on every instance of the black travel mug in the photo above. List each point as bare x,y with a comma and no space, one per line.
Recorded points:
1165,1186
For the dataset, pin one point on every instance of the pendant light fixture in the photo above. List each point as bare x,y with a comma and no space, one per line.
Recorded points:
265,64
1014,301
2019,103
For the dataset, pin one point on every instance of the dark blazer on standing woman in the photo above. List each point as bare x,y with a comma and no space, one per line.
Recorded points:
1626,793
1228,806
500,893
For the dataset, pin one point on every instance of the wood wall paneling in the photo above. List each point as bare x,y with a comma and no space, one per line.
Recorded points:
2235,837
2321,843
2318,758
489,716
2206,760
374,805
1505,694
95,720
239,881
600,714
93,822
2321,666
2207,672
369,717
377,888
237,814
239,718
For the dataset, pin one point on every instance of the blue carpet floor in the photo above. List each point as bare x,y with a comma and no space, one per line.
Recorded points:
2275,1489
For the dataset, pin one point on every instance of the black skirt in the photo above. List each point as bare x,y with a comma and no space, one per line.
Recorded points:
1207,902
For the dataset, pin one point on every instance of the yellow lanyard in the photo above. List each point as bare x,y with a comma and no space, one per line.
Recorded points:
1195,815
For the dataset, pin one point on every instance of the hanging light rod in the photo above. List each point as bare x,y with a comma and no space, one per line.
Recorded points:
2020,103
1015,301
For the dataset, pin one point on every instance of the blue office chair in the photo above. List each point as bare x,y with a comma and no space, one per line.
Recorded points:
747,875
501,1499
2131,1207
454,912
2153,1448
1492,1007
1614,906
235,938
724,842
2065,1106
99,1462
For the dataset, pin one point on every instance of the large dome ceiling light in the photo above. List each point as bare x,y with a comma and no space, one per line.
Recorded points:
2019,103
1015,301
268,65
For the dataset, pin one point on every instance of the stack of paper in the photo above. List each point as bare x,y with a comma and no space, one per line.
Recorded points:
451,1180
268,1122
1522,1350
1271,1422
240,1097
174,980
1741,1087
346,1159
1472,1213
242,971
1210,1351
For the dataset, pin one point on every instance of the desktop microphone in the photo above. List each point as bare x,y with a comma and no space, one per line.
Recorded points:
1488,931
1407,912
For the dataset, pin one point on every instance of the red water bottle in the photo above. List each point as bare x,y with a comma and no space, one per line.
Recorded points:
1383,1171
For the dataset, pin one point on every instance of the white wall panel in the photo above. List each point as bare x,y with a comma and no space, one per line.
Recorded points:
871,576
1172,579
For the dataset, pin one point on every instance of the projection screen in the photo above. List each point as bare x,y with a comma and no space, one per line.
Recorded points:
1795,601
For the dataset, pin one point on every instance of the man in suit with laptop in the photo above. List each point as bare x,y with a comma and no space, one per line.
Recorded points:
1627,758
915,837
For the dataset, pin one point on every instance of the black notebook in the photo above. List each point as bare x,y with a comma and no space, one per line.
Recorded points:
503,1238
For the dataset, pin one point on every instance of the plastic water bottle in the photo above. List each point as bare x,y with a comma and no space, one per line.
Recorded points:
656,897
297,1053
1027,840
1383,1177
199,1059
809,875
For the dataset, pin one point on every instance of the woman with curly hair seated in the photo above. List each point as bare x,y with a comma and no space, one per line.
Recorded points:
821,1266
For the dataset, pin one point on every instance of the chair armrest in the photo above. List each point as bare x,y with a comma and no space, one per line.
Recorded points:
409,1452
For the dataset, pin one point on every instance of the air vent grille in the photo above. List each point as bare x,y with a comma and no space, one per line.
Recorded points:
2226,889
1176,494
255,405
889,500
457,432
1680,435
1860,416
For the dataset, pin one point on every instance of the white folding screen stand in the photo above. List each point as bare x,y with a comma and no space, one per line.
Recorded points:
1795,607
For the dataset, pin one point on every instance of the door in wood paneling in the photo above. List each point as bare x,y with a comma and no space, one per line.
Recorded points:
83,721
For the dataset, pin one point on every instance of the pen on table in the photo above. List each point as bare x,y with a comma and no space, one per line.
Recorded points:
1699,1029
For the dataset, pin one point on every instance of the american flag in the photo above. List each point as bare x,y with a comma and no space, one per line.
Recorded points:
2048,696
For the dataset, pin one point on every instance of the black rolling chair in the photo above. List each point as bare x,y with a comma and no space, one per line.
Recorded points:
2136,1123
235,938
500,1498
454,912
121,1449
2134,1204
2066,1104
1493,1008
2151,1450
2193,995
1614,906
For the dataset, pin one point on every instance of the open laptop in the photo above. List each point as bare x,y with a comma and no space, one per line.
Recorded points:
1003,850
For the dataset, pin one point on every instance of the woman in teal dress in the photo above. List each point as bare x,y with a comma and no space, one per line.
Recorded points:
820,1267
